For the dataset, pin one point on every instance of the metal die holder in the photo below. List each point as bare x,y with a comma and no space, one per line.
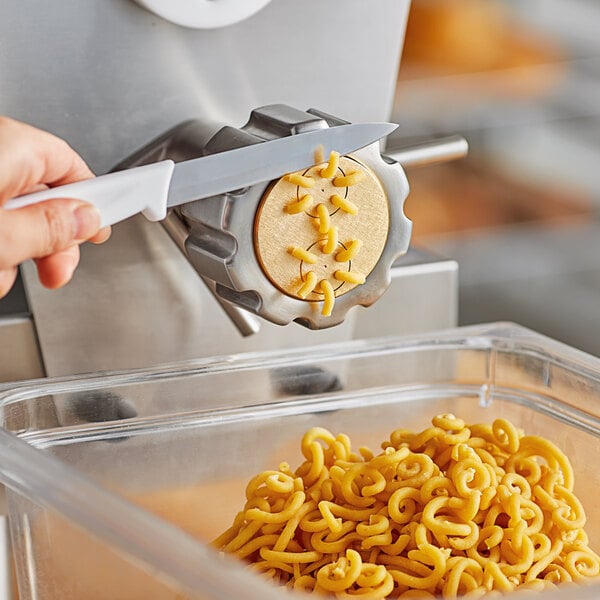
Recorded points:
222,244
219,237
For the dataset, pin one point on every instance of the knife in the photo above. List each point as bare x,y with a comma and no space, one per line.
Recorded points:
152,189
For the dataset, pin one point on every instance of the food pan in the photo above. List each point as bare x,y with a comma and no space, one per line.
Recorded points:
116,483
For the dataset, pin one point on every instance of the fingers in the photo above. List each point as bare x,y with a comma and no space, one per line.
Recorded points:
56,270
101,236
45,228
30,157
50,231
7,280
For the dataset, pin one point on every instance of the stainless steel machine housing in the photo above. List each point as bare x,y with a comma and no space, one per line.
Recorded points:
109,76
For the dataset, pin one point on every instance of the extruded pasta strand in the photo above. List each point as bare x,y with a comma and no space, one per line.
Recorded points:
332,240
330,170
344,204
352,249
349,180
308,286
303,255
350,277
298,206
323,218
329,297
300,180
319,154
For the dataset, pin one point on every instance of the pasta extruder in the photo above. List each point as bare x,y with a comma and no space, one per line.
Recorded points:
130,75
242,243
107,76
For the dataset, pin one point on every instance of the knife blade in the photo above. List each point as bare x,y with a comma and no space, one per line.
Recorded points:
235,169
151,189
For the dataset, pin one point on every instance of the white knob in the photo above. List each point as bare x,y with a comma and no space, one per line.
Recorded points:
204,14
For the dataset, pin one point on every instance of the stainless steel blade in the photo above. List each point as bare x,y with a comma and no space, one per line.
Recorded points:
218,173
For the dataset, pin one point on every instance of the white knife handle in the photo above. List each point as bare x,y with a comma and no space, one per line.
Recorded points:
116,195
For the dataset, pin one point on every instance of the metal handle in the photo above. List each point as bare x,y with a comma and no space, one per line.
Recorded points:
431,152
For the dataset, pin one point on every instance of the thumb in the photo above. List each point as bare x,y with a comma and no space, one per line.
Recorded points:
45,228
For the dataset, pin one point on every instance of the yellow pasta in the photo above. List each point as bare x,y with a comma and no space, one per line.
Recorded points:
349,180
308,286
327,225
453,510
344,204
350,277
299,206
319,154
328,297
303,255
350,251
330,170
300,180
323,218
332,240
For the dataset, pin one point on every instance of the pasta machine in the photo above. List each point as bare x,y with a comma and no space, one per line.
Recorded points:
107,76
134,301
238,242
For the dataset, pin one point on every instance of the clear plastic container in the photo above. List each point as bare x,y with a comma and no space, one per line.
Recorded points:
117,482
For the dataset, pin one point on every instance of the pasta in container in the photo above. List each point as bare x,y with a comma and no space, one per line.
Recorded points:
452,510
481,503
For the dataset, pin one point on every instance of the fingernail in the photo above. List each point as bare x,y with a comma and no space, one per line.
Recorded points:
87,221
70,266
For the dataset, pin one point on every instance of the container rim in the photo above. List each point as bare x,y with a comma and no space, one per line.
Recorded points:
500,335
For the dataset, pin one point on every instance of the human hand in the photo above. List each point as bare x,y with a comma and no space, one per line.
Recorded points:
49,232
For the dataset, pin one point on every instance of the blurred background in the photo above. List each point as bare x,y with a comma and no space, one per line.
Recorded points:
520,79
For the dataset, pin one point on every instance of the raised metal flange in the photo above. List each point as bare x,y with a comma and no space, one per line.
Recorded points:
221,243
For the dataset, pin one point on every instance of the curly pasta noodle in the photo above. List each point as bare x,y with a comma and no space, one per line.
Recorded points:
452,510
328,297
303,255
330,170
300,180
323,222
349,276
331,242
344,204
350,251
349,180
298,206
310,282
